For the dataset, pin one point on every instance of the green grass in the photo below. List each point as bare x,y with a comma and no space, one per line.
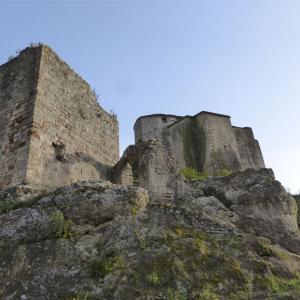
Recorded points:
192,174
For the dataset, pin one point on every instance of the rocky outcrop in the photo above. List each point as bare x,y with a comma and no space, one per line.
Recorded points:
153,168
256,202
233,237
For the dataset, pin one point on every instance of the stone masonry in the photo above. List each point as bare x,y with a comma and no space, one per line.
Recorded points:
52,129
53,132
206,142
166,144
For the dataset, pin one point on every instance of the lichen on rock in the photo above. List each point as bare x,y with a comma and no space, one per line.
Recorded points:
233,237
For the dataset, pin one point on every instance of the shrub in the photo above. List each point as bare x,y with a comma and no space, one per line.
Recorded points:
154,278
61,225
106,265
223,172
10,204
134,210
208,294
6,206
192,174
35,44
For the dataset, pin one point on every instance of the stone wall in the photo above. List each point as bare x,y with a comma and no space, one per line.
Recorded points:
205,142
249,150
148,165
74,138
52,129
178,143
18,79
221,146
151,126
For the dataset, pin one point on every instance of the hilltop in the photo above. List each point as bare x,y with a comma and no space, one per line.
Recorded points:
233,237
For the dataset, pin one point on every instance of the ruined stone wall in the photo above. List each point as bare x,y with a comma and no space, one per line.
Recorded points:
151,127
149,165
18,79
249,150
74,138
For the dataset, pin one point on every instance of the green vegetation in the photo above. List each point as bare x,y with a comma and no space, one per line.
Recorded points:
190,265
9,205
263,248
154,278
278,285
207,294
61,225
187,263
134,210
194,145
222,168
104,266
223,172
175,295
140,238
192,174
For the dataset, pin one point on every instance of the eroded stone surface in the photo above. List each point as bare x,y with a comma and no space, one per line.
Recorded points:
213,239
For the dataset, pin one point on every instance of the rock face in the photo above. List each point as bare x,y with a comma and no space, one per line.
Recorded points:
233,237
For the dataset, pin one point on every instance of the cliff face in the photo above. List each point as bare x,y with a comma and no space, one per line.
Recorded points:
233,237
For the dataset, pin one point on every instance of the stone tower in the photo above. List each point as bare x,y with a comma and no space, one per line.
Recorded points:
52,130
206,142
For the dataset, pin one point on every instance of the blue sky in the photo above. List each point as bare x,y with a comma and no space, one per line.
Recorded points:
237,57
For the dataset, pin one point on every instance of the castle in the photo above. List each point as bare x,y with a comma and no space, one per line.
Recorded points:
52,129
54,132
205,142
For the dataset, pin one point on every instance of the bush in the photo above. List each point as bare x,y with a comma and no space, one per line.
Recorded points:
154,278
61,225
192,174
223,172
106,265
12,204
6,206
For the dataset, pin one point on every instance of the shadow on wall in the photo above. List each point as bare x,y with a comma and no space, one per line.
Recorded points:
69,168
